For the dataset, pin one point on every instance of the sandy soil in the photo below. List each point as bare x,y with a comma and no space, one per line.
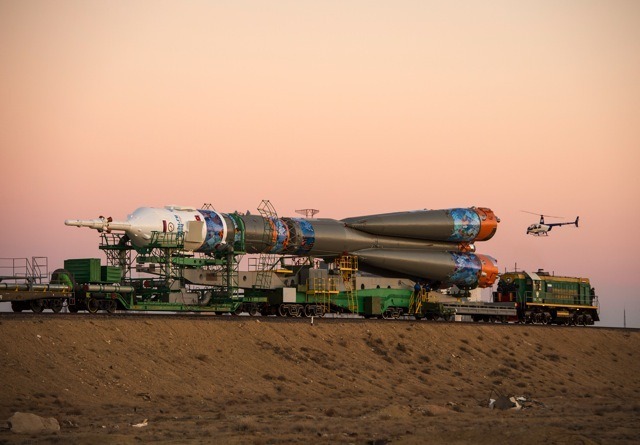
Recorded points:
249,380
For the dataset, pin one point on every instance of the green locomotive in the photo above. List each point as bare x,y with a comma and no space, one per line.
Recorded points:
543,298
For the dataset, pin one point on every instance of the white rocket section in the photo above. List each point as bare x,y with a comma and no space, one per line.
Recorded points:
145,220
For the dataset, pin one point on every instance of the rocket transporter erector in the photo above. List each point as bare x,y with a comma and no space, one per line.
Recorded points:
434,246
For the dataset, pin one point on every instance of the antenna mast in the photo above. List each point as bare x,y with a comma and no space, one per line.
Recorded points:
309,213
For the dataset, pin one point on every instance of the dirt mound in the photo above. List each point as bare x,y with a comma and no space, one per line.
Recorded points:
246,380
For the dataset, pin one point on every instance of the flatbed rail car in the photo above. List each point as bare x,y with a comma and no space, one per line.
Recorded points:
484,311
543,298
293,291
178,283
24,282
36,297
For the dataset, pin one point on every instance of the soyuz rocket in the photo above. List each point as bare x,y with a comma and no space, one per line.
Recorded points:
430,246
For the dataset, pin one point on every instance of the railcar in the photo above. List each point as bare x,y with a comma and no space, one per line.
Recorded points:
544,298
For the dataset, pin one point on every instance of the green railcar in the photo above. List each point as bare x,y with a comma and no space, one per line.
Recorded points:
549,299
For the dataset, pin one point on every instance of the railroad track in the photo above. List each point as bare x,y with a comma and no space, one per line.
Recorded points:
200,317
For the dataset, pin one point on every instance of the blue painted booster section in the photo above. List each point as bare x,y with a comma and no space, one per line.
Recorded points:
282,235
467,269
308,235
466,225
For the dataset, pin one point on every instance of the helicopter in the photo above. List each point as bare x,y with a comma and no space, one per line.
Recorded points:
543,229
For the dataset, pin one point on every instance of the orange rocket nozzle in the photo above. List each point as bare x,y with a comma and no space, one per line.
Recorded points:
488,223
488,272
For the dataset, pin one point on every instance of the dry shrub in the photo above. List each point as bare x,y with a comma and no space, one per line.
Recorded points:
500,372
511,363
245,426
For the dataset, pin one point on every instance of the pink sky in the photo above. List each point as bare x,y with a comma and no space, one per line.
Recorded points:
349,107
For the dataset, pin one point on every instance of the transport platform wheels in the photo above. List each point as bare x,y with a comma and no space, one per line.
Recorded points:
309,310
19,306
37,306
93,305
112,306
57,304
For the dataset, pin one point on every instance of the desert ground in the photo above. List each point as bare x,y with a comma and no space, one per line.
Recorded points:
244,380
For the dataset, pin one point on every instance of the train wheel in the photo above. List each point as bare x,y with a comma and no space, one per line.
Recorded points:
57,304
387,314
37,306
282,311
253,310
308,310
112,306
93,305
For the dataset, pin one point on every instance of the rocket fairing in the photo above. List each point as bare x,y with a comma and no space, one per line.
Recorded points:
425,245
461,225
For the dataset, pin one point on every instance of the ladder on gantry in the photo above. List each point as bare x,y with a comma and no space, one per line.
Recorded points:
348,266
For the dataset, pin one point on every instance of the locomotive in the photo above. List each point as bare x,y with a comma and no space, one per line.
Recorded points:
544,298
